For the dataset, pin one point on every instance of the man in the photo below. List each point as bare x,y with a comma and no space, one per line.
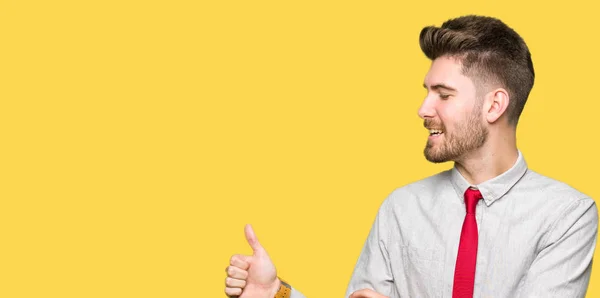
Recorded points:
488,227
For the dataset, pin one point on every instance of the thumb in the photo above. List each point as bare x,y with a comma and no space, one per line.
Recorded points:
252,240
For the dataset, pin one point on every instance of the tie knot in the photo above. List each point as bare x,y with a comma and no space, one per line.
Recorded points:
472,196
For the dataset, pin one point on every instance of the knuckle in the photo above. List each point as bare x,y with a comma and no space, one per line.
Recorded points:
233,291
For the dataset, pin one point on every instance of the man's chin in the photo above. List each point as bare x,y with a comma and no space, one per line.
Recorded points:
435,158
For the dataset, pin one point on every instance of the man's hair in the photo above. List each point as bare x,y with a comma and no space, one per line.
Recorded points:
491,53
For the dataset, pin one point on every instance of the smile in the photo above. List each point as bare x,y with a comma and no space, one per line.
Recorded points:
435,132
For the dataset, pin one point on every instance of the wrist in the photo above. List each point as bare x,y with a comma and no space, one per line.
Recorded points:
284,290
275,287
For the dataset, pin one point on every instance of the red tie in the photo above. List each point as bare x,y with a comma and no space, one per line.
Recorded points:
464,273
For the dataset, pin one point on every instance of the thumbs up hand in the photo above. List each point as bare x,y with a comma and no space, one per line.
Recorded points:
252,276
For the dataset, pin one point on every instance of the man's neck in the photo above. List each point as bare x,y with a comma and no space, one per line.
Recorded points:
487,164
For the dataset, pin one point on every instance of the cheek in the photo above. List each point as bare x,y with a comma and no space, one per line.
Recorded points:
447,112
453,125
448,120
454,117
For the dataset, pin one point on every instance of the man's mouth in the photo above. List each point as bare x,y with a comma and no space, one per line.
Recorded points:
435,132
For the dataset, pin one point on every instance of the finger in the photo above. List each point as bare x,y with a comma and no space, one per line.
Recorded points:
252,240
364,293
235,283
240,261
233,292
235,272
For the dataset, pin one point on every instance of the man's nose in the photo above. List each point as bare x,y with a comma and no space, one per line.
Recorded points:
426,110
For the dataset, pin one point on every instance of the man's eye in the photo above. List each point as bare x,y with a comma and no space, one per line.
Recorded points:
444,96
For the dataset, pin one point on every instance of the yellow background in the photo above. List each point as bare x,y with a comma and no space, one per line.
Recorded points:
138,137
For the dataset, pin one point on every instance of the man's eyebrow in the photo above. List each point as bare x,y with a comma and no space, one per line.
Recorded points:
439,86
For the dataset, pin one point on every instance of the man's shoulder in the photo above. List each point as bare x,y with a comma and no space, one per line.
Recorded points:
414,196
537,181
557,204
551,190
420,189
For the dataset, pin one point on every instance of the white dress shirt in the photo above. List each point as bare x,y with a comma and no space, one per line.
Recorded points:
537,238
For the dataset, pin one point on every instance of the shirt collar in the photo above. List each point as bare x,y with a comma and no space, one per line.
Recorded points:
494,188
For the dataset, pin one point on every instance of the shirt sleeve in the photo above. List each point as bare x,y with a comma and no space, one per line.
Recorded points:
563,267
372,269
296,294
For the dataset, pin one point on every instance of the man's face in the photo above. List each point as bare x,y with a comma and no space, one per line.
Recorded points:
451,112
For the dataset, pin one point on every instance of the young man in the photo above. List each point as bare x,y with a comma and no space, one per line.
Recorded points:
488,227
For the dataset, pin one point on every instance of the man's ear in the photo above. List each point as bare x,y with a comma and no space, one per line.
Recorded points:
496,104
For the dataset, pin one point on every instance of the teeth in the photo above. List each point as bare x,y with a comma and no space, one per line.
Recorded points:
434,131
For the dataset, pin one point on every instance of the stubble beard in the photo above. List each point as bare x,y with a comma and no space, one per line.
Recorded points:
468,136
